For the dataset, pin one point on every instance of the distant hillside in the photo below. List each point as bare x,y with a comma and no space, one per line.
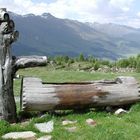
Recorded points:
48,35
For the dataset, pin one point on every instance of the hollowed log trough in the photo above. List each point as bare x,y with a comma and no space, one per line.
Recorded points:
38,96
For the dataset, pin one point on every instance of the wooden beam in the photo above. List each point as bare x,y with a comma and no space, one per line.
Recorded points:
29,61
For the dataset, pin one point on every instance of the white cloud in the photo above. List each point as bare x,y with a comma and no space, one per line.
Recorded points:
23,6
122,4
138,14
83,10
134,23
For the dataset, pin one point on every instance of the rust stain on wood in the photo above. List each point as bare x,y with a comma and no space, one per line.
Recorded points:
78,96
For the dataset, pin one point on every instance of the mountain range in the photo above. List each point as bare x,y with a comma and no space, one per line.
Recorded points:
51,36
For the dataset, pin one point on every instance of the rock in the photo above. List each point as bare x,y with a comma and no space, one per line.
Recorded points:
120,111
24,124
71,129
17,99
91,122
67,122
45,127
81,71
93,71
45,138
104,69
109,109
43,116
17,76
27,135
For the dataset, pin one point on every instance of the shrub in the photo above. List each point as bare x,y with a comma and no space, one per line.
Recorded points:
138,65
81,58
96,65
123,63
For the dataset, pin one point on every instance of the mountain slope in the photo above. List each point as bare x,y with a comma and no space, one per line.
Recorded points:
47,35
125,38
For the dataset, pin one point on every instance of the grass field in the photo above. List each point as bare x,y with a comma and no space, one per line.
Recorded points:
109,126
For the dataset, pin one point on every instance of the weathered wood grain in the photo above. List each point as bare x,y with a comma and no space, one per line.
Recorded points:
29,61
10,64
7,37
121,91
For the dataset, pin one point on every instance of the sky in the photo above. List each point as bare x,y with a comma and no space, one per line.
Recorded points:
125,12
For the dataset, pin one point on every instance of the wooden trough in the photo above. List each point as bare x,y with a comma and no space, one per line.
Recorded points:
36,96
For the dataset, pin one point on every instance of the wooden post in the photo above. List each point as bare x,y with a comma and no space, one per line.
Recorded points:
9,65
52,96
7,36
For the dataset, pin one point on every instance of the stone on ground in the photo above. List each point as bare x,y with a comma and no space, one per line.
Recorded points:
27,135
45,138
91,122
67,122
71,129
45,127
120,111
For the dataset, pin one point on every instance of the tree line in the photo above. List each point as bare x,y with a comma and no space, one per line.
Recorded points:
131,62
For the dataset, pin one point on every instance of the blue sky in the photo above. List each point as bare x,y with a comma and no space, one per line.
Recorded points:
126,12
